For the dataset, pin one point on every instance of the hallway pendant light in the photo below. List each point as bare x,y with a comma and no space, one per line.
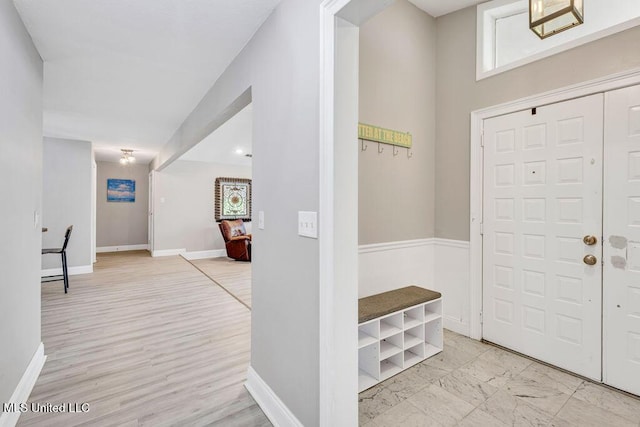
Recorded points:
127,157
549,17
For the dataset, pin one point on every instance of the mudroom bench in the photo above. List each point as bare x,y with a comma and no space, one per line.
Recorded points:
396,330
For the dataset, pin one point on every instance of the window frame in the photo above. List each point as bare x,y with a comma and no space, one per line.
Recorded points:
486,16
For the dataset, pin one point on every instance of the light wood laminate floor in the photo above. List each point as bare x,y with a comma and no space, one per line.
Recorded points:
144,341
234,276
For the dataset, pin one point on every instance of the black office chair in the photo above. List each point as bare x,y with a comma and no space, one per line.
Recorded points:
62,251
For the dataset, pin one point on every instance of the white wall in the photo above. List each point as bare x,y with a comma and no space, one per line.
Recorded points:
184,205
20,198
66,200
122,224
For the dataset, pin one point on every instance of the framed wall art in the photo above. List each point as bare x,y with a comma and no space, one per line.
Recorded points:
121,190
232,199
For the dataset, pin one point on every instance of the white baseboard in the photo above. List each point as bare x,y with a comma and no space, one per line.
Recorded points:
122,248
215,253
456,325
73,271
277,412
23,390
168,252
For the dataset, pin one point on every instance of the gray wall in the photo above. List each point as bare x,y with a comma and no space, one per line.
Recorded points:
281,67
66,200
397,91
20,197
122,224
184,205
458,94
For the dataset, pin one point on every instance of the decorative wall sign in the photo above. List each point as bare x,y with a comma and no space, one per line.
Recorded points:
121,190
233,199
385,136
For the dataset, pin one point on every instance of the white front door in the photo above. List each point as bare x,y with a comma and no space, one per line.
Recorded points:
621,350
542,195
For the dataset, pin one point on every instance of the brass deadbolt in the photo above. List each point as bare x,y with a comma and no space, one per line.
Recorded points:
590,259
590,240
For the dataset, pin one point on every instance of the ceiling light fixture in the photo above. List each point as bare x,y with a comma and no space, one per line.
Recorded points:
238,150
549,17
127,157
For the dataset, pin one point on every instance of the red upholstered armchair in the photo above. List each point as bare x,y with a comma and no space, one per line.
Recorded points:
236,240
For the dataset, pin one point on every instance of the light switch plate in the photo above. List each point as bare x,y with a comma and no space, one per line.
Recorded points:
308,224
261,220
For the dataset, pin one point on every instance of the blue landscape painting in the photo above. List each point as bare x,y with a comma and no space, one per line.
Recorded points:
121,190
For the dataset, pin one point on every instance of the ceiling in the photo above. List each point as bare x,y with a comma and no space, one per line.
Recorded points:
126,74
221,145
437,8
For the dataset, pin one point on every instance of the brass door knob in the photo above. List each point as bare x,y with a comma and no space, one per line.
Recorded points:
590,240
590,259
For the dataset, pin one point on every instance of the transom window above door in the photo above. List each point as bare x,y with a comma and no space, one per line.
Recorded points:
504,40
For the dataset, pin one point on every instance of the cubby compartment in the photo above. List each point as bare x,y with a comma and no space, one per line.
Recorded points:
390,325
413,317
391,366
413,355
391,346
368,333
368,366
433,337
414,336
433,310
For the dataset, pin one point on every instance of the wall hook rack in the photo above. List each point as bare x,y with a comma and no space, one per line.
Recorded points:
395,151
380,148
409,154
363,146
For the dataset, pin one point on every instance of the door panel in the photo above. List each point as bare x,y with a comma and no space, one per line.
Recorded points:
622,240
542,195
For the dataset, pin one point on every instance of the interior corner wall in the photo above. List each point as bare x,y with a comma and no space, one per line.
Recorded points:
20,194
397,91
184,205
458,94
119,223
66,200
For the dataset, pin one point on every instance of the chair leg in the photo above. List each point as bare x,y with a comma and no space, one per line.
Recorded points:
65,274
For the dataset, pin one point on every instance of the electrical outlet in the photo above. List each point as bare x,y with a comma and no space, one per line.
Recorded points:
261,220
308,224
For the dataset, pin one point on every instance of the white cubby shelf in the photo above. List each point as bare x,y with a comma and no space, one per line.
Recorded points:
389,344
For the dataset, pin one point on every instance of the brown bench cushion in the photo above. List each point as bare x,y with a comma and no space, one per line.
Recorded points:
387,302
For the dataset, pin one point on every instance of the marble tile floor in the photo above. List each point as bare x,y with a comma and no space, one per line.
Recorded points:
476,384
